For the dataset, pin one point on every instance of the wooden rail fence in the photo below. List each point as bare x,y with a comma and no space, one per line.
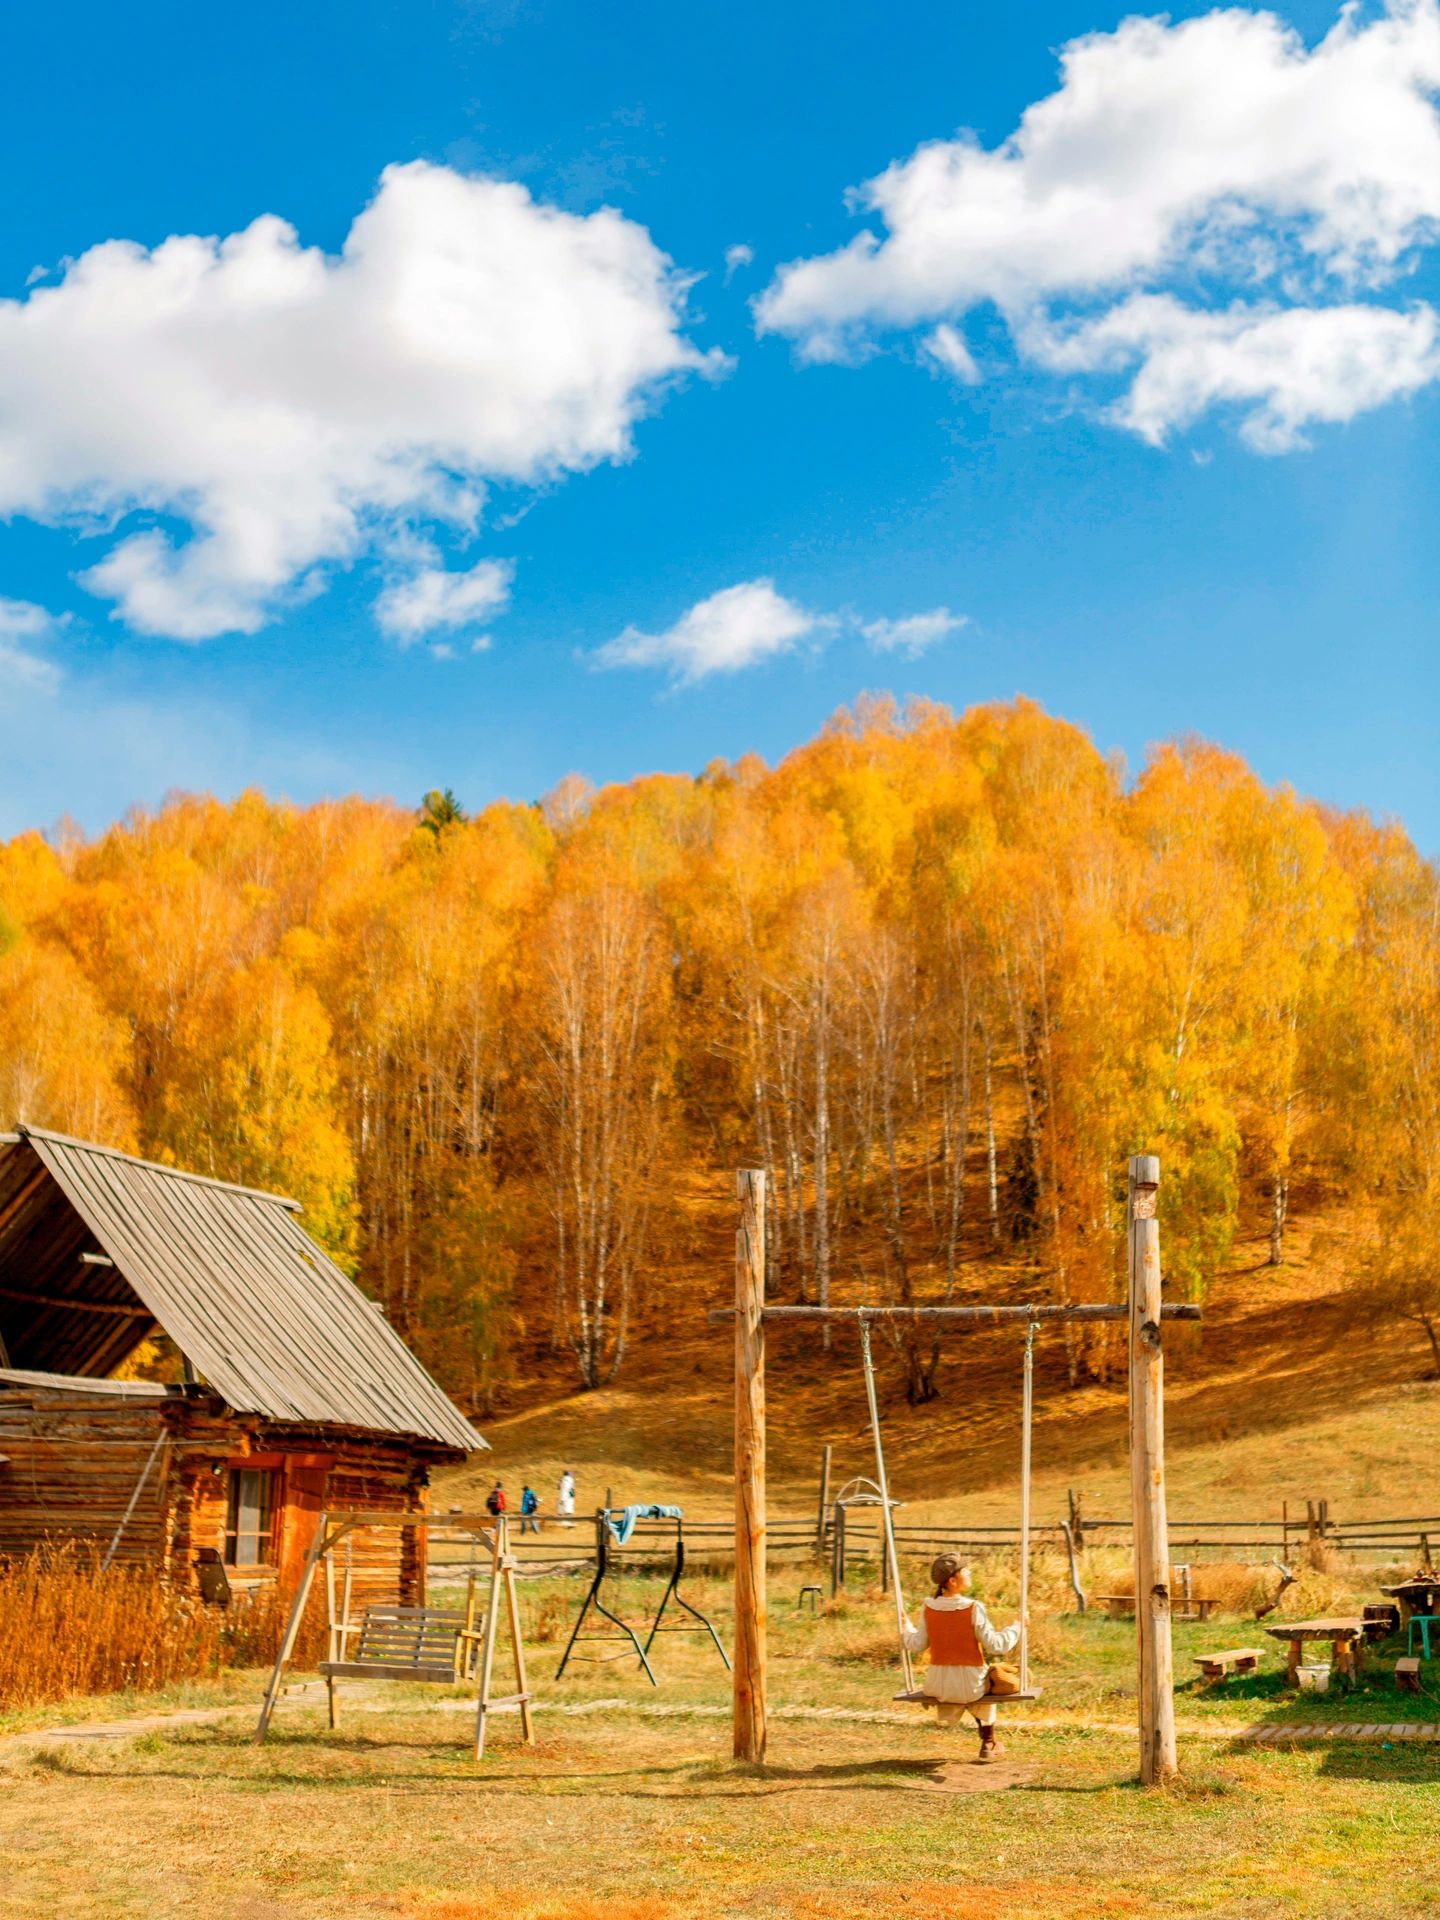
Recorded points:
710,1543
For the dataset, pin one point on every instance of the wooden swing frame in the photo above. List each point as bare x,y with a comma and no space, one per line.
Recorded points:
473,1650
1145,1314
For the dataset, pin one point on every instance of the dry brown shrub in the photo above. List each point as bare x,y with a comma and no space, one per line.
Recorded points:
69,1627
550,1620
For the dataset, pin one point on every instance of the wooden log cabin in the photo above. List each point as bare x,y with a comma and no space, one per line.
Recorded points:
297,1394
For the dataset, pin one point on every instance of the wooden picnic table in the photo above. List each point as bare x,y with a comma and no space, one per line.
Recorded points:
1346,1637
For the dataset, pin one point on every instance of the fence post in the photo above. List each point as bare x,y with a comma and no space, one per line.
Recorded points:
749,1672
1147,1479
824,1500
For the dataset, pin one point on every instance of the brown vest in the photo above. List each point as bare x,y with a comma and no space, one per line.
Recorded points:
953,1641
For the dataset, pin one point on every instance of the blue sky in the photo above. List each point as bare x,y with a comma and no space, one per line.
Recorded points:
1163,466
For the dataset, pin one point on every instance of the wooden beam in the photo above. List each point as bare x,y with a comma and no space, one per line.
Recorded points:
1156,1674
749,1671
75,1306
963,1316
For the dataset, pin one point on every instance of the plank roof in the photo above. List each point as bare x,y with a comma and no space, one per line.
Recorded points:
257,1307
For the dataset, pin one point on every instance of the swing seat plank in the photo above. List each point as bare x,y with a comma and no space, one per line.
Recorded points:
430,1644
917,1696
387,1670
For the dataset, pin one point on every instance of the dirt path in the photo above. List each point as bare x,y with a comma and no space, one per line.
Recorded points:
1265,1733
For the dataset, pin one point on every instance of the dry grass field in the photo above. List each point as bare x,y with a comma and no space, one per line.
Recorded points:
629,1806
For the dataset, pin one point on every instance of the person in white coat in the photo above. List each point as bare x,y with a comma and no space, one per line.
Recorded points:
956,1632
565,1504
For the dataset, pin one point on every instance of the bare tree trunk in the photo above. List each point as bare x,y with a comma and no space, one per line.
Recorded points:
1279,1210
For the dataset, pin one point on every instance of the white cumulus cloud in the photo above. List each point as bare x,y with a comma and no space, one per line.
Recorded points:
914,632
1216,153
247,412
737,627
434,599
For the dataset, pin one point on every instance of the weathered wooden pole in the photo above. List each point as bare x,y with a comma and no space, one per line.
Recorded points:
749,1673
1147,1479
822,1510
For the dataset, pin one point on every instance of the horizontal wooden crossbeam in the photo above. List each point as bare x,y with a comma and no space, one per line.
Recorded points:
963,1316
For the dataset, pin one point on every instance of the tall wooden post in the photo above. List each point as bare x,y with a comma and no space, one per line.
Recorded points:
749,1672
1147,1479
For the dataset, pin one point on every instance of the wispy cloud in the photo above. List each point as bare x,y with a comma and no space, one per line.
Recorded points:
434,600
744,625
22,626
732,629
914,633
737,258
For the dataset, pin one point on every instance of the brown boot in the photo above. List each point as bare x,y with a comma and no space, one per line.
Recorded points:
990,1747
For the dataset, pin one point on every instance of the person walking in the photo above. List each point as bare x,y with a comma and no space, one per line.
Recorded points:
496,1501
529,1510
565,1504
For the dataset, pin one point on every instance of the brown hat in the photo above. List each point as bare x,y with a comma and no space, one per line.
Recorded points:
943,1568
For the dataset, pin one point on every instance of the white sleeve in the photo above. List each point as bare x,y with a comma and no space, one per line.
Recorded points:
995,1642
916,1639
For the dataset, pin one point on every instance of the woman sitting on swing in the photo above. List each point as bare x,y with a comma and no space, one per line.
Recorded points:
962,1645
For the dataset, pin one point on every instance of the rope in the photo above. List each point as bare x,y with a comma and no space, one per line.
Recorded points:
1026,1422
892,1557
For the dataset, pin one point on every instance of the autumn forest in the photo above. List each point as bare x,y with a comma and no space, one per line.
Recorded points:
939,975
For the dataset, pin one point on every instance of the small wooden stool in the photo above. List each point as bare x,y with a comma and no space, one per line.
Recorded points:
812,1594
1407,1674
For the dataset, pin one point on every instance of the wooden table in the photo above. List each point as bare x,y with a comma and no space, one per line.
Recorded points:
1346,1637
1415,1596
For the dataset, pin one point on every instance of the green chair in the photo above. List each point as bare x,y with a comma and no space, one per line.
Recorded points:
1424,1622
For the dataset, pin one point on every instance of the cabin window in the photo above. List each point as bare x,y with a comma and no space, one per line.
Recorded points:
249,1526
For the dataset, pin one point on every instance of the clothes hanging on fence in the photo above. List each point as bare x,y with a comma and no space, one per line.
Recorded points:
623,1521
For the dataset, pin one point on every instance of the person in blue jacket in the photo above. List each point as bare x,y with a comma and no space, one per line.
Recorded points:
529,1511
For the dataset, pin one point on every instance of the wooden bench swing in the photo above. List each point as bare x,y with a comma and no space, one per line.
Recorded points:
437,1646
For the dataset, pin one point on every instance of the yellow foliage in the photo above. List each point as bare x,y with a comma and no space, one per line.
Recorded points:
938,975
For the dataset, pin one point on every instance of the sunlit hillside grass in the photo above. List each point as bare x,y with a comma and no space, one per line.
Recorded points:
1283,1393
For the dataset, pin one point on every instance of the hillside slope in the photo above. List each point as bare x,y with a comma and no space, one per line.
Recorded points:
1283,1393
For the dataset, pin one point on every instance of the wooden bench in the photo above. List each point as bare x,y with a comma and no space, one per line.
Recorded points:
1217,1667
433,1644
1121,1605
1407,1674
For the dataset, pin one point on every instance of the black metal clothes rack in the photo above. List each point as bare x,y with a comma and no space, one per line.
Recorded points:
622,1631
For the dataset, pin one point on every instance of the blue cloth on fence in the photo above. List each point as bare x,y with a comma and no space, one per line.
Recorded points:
629,1518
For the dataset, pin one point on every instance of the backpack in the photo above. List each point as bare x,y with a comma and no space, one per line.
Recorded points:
495,1502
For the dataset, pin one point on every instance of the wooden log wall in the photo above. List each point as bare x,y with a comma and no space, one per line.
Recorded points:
73,1461
72,1466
